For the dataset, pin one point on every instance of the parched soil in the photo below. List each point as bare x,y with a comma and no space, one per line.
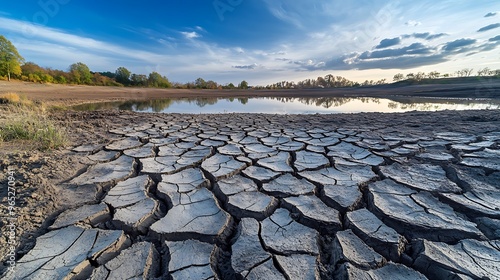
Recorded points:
46,182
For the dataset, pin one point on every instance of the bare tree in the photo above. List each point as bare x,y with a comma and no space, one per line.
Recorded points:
484,72
398,77
434,75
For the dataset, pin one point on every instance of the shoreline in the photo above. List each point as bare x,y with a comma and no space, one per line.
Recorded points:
72,95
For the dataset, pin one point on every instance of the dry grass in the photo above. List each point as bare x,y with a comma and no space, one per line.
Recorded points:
29,124
14,98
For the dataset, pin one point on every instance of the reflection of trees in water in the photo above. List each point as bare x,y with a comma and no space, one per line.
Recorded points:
202,102
393,105
434,104
243,100
160,104
327,102
403,103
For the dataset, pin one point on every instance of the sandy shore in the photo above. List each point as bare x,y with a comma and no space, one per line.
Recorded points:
71,95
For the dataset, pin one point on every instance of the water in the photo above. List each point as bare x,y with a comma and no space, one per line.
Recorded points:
273,105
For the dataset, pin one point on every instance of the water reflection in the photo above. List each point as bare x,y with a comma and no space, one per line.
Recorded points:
289,105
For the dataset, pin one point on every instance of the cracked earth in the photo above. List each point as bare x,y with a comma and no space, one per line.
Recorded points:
280,197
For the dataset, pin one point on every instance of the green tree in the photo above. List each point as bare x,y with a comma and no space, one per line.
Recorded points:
139,80
123,76
243,85
80,73
200,83
158,81
10,59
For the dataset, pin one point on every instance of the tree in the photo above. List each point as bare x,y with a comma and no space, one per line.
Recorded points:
139,80
329,80
229,86
123,76
484,72
10,59
398,77
80,73
31,68
466,72
419,76
410,76
200,83
158,81
320,81
212,85
243,85
434,75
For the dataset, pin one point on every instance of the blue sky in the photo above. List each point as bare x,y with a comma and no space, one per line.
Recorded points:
261,41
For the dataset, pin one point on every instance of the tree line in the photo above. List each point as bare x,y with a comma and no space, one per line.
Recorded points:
331,81
13,65
328,81
466,72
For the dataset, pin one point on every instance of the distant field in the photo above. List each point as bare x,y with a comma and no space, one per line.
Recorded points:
69,95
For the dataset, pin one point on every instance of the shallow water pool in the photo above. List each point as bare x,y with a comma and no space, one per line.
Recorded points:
279,105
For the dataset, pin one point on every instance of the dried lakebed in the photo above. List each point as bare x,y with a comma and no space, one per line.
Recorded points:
243,196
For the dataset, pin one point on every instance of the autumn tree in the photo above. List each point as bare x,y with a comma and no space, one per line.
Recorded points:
122,75
212,85
80,73
10,59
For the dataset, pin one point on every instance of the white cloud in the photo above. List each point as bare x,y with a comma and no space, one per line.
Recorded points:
413,23
319,33
191,35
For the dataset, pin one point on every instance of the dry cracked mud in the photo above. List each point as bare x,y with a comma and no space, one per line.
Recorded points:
239,196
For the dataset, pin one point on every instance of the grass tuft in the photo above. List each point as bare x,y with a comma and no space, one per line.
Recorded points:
24,120
9,98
